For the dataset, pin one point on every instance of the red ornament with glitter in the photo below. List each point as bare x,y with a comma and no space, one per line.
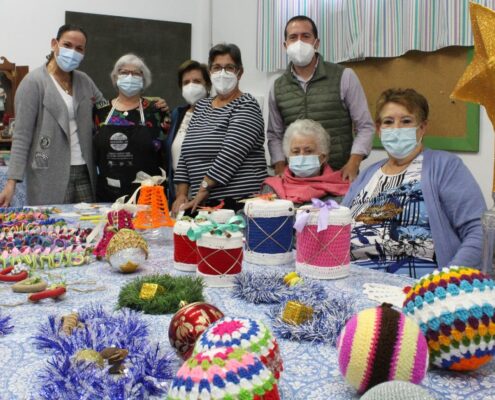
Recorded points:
188,324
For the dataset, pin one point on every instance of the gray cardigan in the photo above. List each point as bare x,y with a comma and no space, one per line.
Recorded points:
41,142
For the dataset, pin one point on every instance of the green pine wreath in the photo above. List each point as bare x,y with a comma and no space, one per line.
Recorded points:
177,289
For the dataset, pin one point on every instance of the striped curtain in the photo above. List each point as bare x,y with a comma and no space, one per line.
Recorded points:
355,29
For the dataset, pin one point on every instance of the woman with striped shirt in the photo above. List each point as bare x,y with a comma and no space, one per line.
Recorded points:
222,156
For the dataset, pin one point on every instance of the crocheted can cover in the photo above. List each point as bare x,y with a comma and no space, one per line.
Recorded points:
325,254
269,231
454,308
220,216
249,334
185,250
224,374
379,345
116,220
219,258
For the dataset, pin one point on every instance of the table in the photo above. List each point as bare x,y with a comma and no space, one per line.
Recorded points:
310,371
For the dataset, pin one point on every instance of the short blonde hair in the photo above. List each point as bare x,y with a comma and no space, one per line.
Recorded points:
134,60
307,128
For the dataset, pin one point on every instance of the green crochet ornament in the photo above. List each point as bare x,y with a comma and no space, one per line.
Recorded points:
167,297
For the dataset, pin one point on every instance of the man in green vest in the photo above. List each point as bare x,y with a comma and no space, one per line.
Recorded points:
330,94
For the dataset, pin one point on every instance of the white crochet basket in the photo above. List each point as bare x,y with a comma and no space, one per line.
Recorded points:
220,216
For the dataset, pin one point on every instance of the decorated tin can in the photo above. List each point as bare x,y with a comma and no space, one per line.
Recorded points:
269,231
323,240
185,250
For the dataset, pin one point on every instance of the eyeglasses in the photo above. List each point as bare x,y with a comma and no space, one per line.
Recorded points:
229,68
128,72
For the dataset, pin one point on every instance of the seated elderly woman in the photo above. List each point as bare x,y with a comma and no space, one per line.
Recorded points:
418,209
222,156
130,131
308,175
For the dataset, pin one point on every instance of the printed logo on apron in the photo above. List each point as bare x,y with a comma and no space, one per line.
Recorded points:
118,141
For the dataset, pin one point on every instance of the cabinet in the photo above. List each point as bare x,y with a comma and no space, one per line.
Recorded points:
10,77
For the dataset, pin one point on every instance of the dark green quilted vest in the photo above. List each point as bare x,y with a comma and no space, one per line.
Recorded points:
321,103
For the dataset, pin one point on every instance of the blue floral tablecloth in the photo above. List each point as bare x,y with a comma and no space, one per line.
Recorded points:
19,198
310,371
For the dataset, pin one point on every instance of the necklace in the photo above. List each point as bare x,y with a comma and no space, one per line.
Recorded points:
125,113
66,86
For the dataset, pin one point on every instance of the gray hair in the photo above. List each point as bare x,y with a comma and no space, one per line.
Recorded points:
307,128
134,60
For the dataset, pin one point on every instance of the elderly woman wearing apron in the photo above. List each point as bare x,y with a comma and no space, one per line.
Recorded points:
130,132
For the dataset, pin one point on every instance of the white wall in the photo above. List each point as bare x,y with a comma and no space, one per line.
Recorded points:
232,21
27,28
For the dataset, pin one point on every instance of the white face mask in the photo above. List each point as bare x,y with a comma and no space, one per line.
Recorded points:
192,92
301,53
223,81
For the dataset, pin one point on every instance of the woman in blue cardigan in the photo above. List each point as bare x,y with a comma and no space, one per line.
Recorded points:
419,209
195,84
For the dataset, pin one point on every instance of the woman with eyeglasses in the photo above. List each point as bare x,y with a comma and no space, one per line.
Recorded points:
222,156
52,147
130,131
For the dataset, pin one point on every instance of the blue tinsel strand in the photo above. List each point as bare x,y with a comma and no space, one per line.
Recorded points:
148,368
329,319
270,288
5,327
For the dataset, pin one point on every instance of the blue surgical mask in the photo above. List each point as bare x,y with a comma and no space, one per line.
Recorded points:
68,59
130,85
399,142
304,166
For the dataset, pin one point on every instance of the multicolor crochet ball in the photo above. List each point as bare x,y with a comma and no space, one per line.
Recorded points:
454,308
224,374
379,345
249,334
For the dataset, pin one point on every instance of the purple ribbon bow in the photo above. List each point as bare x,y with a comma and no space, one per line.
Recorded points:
324,206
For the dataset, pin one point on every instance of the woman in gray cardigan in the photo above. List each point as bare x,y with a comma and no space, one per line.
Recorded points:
52,143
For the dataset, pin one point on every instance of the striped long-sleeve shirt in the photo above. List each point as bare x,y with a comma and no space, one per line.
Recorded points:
225,144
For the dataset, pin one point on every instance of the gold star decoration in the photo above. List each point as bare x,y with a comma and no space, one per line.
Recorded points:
477,84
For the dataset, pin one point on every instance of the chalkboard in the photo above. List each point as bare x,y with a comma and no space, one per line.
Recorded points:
163,45
452,125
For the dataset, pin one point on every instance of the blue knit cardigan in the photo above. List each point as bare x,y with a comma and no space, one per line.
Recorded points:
454,203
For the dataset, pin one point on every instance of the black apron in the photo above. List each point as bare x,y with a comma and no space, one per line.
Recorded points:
121,152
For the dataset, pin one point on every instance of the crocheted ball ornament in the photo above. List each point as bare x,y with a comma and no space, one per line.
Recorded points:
454,308
126,249
396,390
381,344
249,334
224,374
